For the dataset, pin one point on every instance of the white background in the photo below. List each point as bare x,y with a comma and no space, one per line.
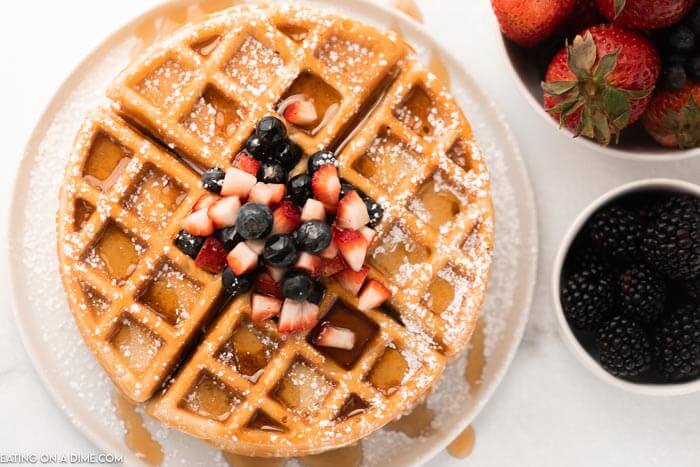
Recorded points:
549,410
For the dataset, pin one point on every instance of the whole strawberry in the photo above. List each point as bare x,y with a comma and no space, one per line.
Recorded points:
602,82
530,22
645,14
673,117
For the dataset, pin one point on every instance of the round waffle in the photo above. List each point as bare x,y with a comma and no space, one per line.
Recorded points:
166,332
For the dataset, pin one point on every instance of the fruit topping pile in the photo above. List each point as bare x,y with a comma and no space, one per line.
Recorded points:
630,286
278,236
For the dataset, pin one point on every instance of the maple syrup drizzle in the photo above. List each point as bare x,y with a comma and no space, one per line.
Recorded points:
463,444
476,360
136,435
415,424
349,456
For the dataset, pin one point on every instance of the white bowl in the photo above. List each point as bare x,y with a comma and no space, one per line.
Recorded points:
635,143
663,389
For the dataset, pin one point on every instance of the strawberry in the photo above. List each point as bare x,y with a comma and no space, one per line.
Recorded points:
268,194
673,117
332,266
286,218
373,294
291,316
352,212
242,259
313,211
309,263
204,201
237,183
325,185
246,163
352,280
309,315
644,14
530,22
601,83
266,285
336,337
212,256
330,252
256,245
197,223
224,211
277,274
353,246
301,113
369,233
263,307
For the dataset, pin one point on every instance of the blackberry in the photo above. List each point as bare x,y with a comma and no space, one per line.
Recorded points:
693,68
677,344
642,293
617,232
673,77
625,350
692,288
672,240
587,299
588,259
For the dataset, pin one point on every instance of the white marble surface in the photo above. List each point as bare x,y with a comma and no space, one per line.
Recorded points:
549,411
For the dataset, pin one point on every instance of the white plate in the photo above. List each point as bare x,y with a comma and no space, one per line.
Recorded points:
81,388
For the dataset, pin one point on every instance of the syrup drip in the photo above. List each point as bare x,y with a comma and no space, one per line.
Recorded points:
415,424
236,460
350,456
476,360
463,444
136,435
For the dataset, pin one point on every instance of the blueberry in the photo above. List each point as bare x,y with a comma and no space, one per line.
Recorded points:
213,180
280,251
255,147
317,292
319,159
375,211
229,237
681,38
271,131
271,172
673,77
693,69
694,20
346,187
299,189
313,236
234,284
189,244
297,285
254,221
289,154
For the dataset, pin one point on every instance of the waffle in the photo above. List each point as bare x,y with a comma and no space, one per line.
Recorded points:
164,330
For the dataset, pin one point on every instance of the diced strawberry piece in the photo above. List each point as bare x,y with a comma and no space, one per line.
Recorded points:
352,280
309,263
330,252
263,307
313,210
266,193
212,256
352,245
369,233
302,112
373,294
238,183
277,274
246,163
204,201
286,218
332,266
336,337
291,316
256,245
325,185
309,315
352,212
198,223
242,259
266,285
223,213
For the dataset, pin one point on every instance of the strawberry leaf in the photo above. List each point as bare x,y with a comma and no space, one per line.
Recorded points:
617,107
581,56
605,66
637,94
619,6
601,128
558,88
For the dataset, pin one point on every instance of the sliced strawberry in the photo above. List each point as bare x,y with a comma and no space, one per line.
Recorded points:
301,112
242,259
246,163
198,224
369,233
352,245
291,316
266,193
263,307
204,201
336,337
237,183
309,315
313,210
330,252
256,245
309,263
332,266
373,295
266,285
223,212
325,185
286,218
352,280
352,212
277,274
212,256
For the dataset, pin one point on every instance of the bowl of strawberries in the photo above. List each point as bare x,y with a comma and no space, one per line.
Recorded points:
620,76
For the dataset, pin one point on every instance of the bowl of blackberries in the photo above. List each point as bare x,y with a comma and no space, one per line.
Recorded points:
627,287
621,76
